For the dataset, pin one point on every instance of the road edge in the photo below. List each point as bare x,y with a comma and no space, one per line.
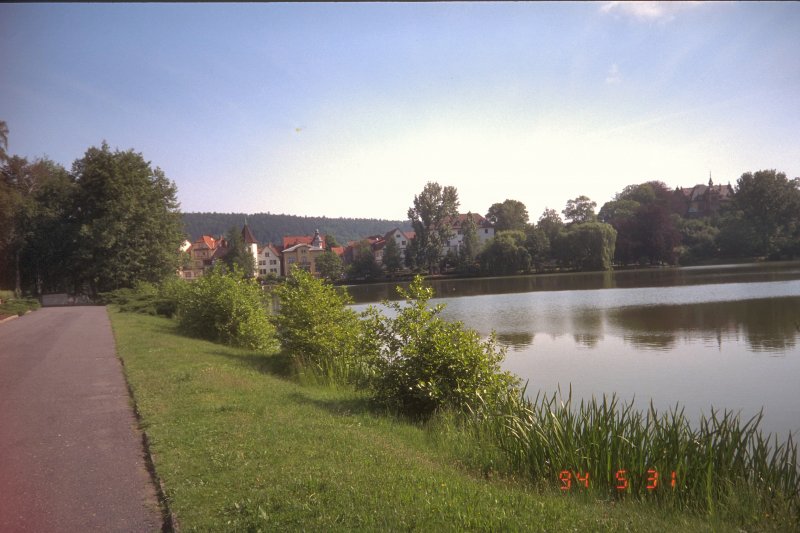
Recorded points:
169,523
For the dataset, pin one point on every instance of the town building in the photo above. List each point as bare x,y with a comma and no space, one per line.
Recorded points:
701,200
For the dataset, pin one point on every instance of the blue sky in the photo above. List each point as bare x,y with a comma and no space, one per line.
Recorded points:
349,109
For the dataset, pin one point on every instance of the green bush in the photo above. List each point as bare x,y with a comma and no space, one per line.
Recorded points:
224,306
427,363
6,296
19,306
146,298
315,326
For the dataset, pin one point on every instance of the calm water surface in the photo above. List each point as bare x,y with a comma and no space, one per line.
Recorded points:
725,336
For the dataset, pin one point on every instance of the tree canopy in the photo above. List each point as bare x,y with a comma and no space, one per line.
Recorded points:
431,210
508,215
109,223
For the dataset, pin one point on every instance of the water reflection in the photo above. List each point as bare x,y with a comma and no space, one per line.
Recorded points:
721,336
767,325
516,340
622,279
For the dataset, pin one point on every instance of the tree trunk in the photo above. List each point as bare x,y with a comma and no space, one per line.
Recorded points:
18,276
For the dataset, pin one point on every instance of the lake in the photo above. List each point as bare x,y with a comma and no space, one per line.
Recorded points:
725,336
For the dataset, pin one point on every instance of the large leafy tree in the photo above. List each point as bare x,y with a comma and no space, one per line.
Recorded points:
364,264
505,254
588,246
35,202
239,256
580,210
329,265
429,215
392,258
550,223
128,220
768,206
647,227
469,245
508,215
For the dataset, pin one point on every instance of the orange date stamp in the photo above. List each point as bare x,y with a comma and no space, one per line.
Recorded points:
573,478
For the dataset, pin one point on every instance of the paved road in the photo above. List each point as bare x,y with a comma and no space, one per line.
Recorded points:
71,456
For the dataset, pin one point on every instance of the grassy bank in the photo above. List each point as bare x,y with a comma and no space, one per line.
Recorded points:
19,306
240,446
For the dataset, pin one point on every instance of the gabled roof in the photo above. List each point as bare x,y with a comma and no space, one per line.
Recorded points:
338,250
269,247
206,241
458,221
247,235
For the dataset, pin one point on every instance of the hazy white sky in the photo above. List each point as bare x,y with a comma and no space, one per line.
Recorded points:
348,109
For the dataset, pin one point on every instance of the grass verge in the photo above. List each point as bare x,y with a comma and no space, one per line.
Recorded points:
241,447
18,306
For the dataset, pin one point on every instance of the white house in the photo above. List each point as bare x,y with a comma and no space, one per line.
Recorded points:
269,261
483,229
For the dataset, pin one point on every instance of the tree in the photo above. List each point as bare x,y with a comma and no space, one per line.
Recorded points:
770,205
239,256
550,222
364,264
429,216
587,246
538,246
469,245
646,224
392,259
505,254
509,215
329,265
35,205
3,141
330,241
579,210
128,219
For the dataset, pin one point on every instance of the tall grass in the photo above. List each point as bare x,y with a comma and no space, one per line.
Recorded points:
631,453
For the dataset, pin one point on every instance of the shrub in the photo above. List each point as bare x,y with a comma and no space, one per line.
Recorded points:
427,363
315,326
146,298
224,306
19,306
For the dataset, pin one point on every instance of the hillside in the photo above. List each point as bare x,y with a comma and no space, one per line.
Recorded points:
271,228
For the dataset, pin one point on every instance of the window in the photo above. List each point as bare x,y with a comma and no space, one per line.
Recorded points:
273,261
263,271
486,231
403,243
262,263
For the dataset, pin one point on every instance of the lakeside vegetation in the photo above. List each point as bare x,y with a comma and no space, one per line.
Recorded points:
415,369
240,445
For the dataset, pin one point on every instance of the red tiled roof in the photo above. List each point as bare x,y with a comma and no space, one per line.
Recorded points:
338,250
291,240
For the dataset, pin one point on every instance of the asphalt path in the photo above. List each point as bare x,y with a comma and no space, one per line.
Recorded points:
71,454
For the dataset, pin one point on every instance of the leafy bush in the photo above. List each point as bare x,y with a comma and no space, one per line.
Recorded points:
427,363
146,298
315,326
224,306
6,296
19,306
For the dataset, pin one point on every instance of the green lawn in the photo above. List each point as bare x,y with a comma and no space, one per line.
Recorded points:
241,447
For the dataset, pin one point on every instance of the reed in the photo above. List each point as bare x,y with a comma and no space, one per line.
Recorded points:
609,448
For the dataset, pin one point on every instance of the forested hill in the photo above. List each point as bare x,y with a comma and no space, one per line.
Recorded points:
269,228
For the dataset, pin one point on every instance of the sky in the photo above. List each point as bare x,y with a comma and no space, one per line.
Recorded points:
348,110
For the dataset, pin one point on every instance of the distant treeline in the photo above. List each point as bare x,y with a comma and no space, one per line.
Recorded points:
270,228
